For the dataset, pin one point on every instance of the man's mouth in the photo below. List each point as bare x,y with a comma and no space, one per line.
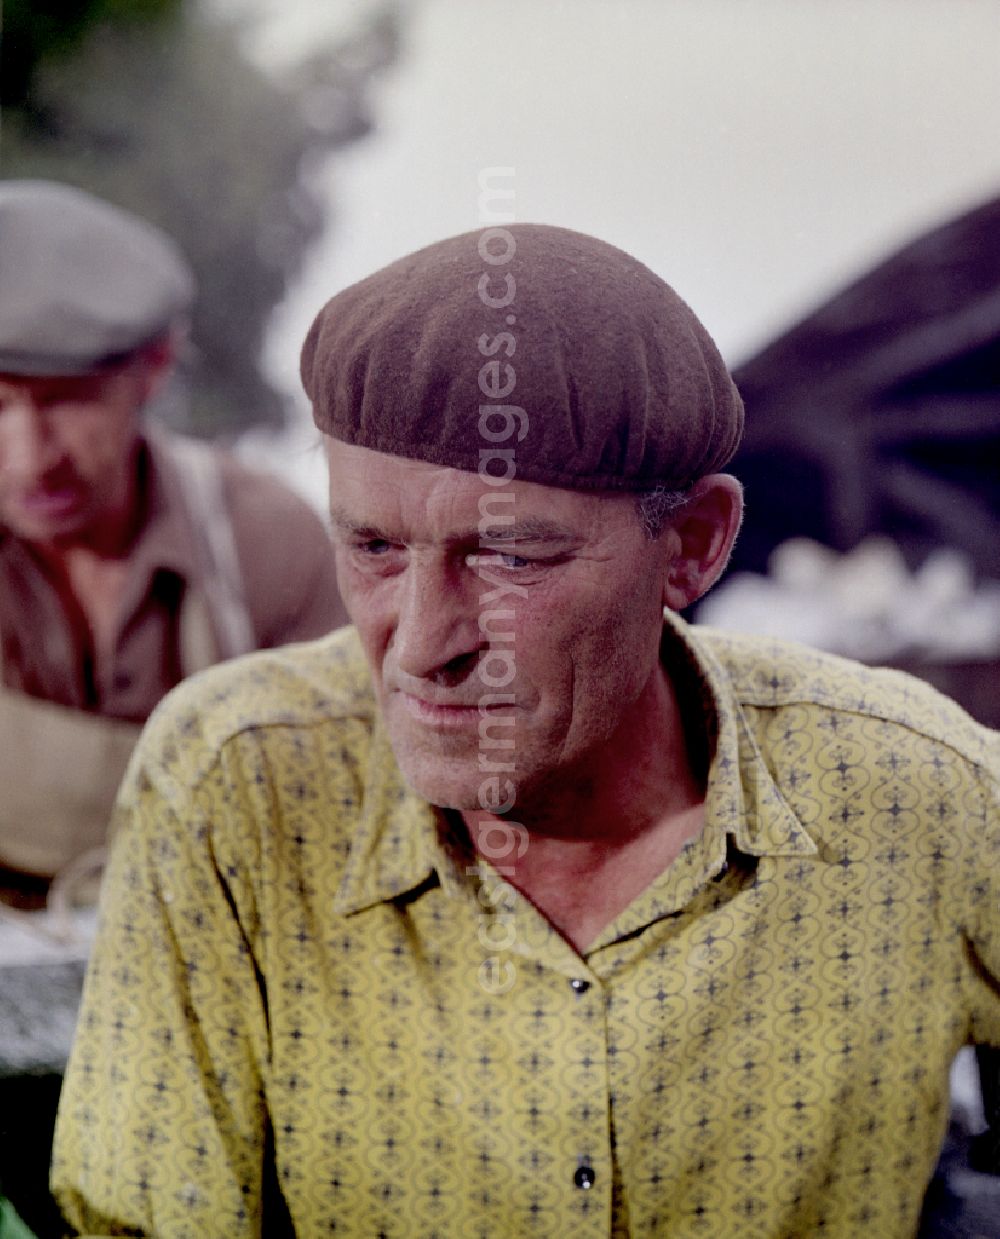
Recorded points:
447,713
51,501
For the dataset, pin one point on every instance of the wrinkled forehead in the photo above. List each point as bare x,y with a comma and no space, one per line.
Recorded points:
378,492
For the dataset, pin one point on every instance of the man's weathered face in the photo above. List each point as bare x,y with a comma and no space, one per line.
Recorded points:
66,450
511,630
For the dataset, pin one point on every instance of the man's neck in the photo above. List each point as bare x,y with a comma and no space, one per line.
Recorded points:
596,839
89,571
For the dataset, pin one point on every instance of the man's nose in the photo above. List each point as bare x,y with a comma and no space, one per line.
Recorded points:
26,439
437,632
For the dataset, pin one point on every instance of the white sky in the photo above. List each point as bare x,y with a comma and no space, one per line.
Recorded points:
756,153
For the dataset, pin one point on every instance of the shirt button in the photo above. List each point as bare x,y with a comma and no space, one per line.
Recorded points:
579,986
584,1178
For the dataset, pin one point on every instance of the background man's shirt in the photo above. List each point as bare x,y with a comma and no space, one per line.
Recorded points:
286,562
305,985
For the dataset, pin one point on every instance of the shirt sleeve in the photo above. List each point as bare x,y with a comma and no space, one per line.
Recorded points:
162,1127
982,910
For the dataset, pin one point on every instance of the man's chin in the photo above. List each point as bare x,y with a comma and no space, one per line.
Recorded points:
445,792
453,784
39,527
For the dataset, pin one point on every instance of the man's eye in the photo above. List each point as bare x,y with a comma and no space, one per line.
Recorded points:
499,559
373,546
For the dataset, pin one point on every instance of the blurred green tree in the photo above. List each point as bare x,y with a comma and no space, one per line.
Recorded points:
38,30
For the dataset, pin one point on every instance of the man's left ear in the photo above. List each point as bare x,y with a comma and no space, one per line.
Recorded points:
154,362
701,534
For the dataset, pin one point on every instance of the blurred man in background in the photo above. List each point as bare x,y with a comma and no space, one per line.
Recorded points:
128,558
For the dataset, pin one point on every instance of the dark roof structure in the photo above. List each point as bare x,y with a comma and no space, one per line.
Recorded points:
879,413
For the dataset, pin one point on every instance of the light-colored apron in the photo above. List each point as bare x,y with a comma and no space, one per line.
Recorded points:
60,768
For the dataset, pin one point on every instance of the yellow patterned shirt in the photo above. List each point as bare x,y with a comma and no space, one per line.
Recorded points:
305,998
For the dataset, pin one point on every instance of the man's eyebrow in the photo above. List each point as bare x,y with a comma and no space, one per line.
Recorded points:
349,525
531,529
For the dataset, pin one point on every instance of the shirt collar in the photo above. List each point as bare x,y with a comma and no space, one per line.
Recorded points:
742,799
167,540
401,842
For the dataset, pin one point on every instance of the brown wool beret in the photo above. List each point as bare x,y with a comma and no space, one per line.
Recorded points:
82,283
435,356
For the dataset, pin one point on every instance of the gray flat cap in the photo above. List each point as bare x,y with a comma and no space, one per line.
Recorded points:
82,283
